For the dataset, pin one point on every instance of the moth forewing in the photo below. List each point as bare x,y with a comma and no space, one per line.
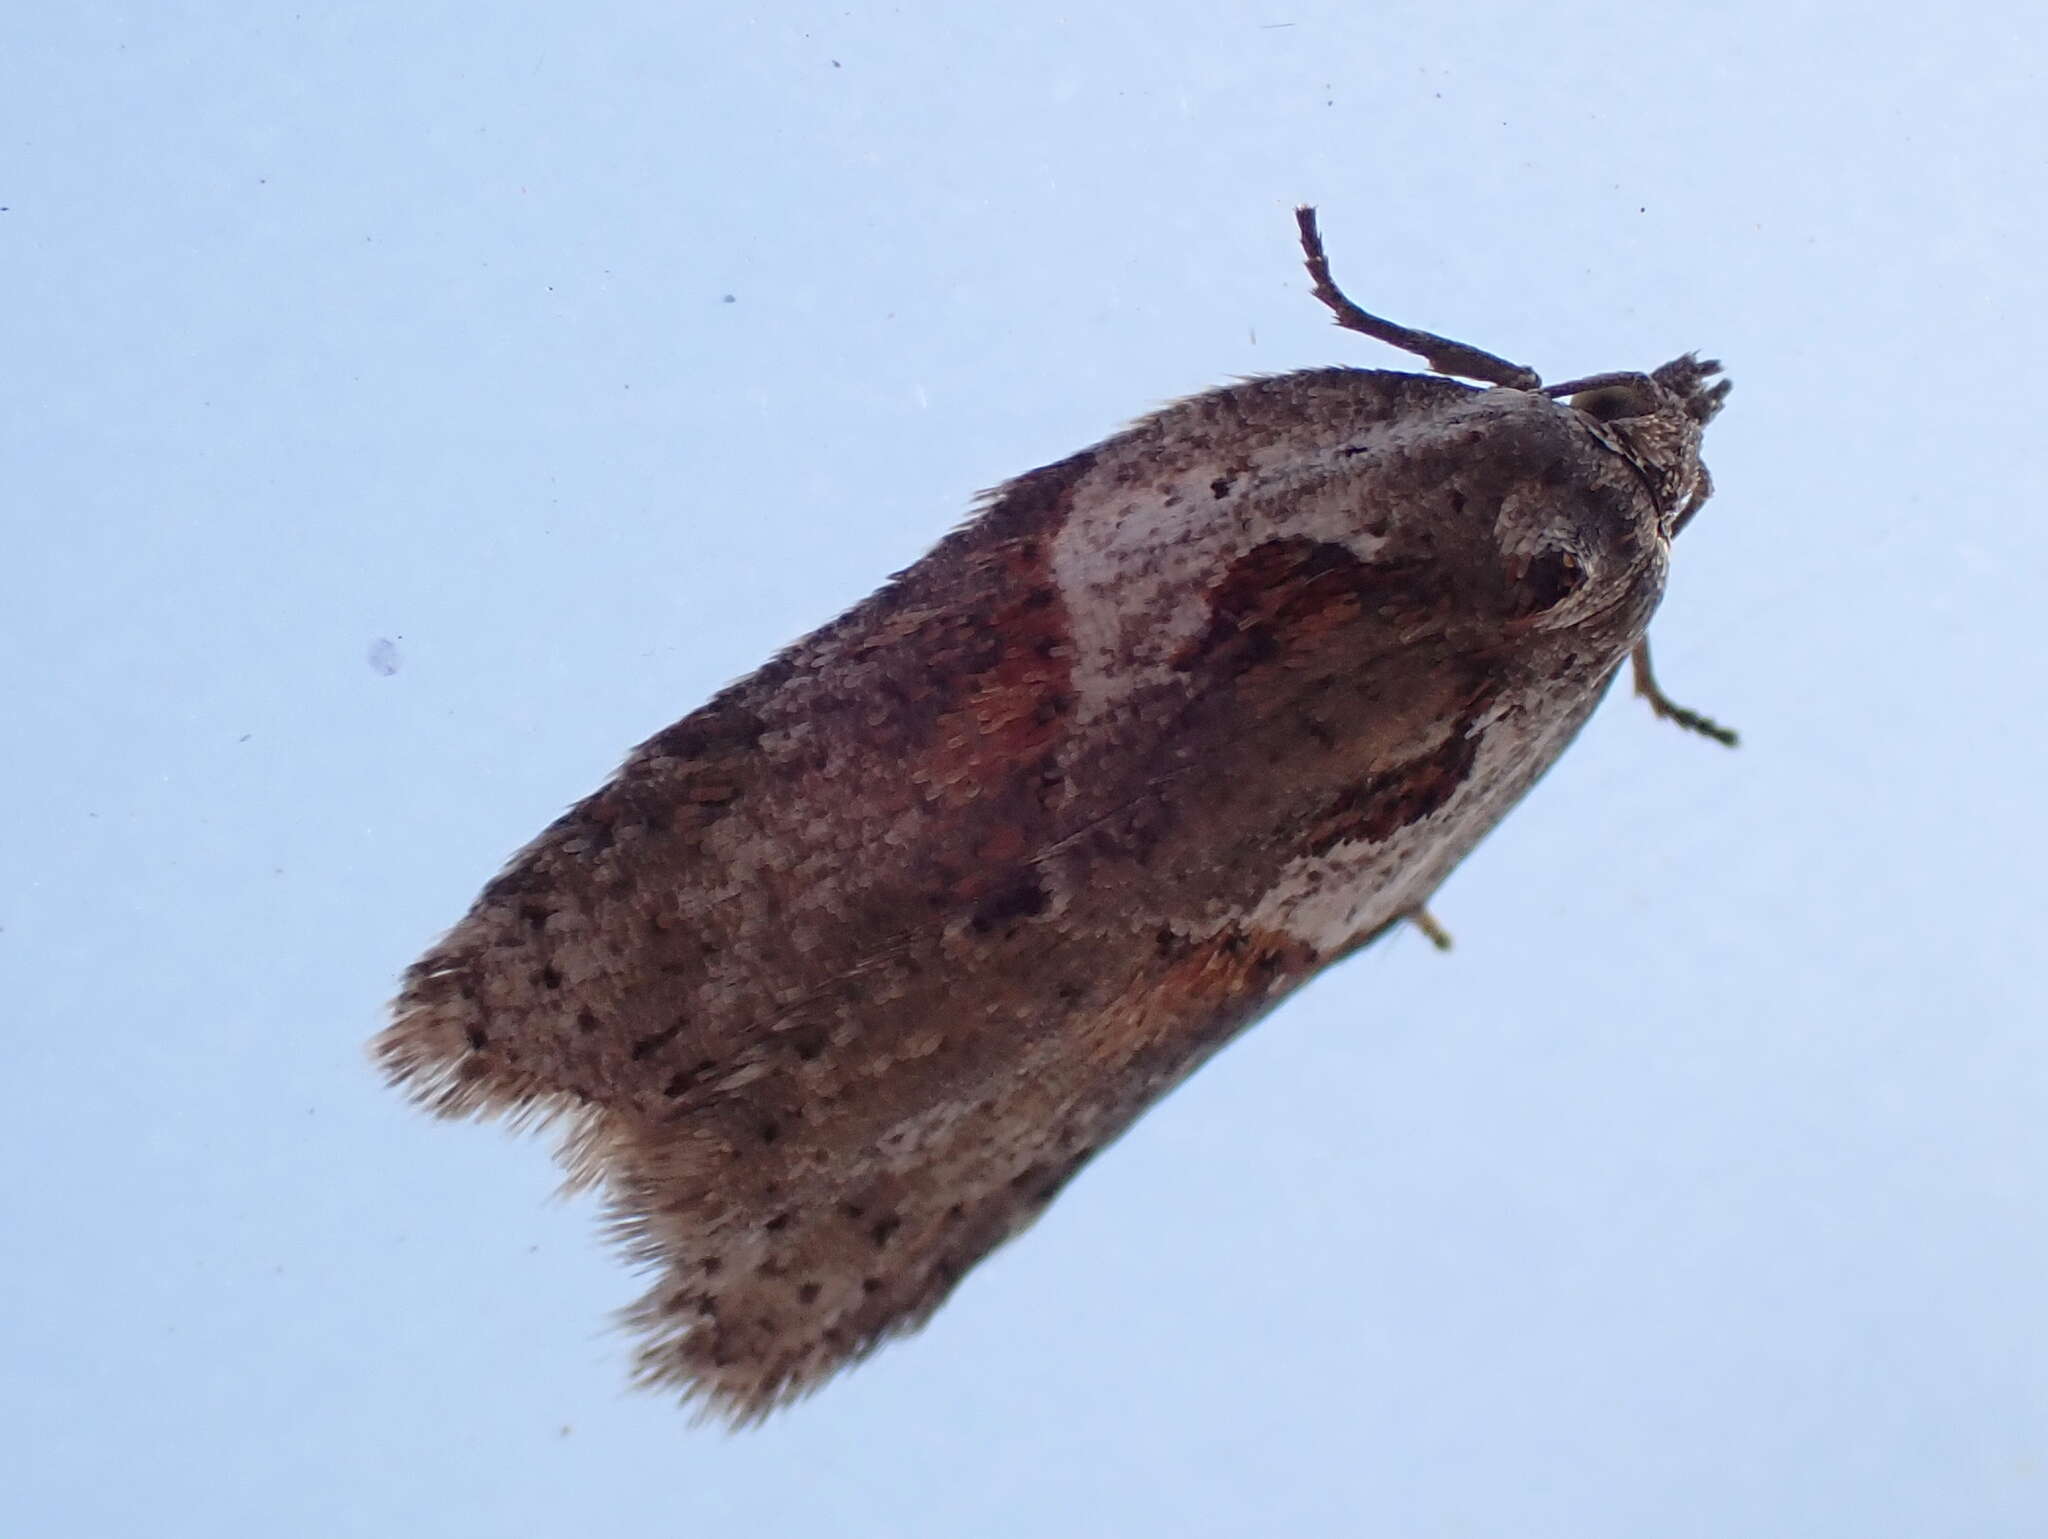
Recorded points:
843,976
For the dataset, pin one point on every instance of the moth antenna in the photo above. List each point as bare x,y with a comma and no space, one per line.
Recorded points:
1670,710
1595,382
1440,353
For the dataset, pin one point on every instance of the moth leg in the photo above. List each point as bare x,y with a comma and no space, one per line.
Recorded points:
1419,916
1425,921
1669,709
1440,353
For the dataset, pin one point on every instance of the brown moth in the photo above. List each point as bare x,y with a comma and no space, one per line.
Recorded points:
842,977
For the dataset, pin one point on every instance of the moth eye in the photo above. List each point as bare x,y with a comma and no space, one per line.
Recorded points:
1610,403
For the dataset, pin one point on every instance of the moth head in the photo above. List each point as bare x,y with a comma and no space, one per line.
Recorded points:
1654,421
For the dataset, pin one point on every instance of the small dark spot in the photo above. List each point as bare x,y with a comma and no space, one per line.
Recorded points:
808,1293
769,1132
551,977
478,1039
1024,898
654,1042
586,1020
1457,501
1166,940
853,1210
1551,577
707,1307
954,1214
883,1229
710,1266
809,1043
777,1224
1039,598
871,1285
1220,487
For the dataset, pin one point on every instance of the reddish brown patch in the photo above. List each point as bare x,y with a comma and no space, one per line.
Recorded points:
1272,594
1378,805
1288,596
1009,676
1206,990
1003,844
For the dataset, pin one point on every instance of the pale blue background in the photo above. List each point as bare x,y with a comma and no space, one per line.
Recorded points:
568,359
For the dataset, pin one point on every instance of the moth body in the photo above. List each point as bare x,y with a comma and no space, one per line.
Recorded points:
843,976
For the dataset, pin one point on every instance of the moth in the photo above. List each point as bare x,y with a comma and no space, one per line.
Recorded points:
841,978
